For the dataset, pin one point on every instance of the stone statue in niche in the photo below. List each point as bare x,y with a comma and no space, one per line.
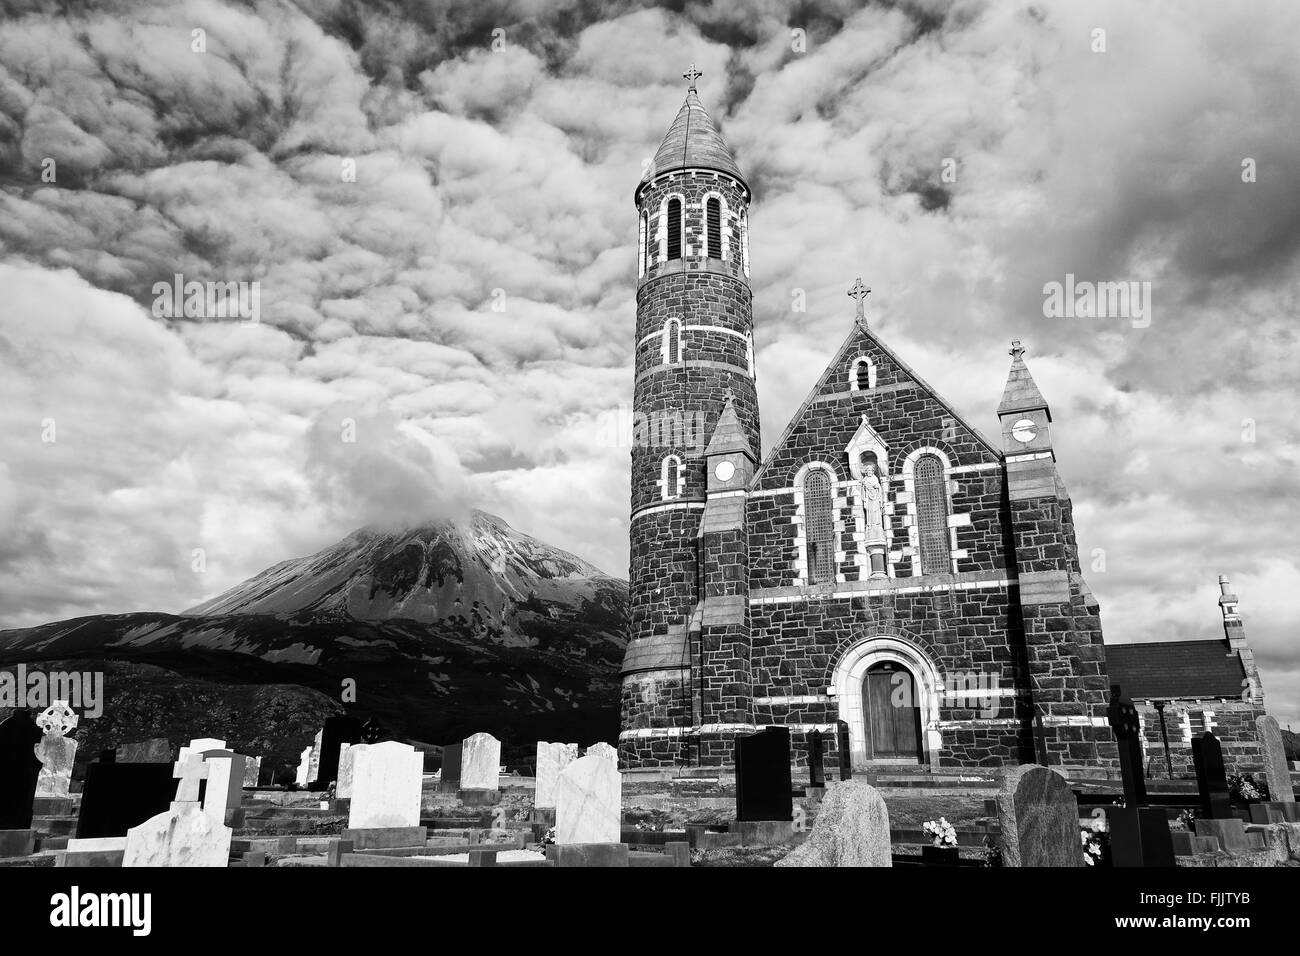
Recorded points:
872,495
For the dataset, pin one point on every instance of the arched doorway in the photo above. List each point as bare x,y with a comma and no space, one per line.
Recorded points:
892,713
850,688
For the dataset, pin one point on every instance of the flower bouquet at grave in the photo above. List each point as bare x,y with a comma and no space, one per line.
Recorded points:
1184,821
941,832
1246,789
1095,840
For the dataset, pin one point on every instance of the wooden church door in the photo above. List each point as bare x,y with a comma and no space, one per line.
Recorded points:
893,732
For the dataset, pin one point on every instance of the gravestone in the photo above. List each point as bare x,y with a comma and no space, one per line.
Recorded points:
337,730
1039,819
449,780
223,794
55,751
589,802
852,829
604,751
1211,778
844,748
1139,835
154,750
1275,765
313,761
19,770
372,732
188,837
198,745
1127,727
118,796
252,772
763,782
386,782
480,766
816,757
304,768
552,758
347,768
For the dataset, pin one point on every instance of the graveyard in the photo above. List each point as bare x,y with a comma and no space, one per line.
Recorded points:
359,799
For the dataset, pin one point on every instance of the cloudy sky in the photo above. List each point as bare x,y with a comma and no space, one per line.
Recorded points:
468,300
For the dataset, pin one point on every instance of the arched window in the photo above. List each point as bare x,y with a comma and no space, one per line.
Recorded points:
674,228
672,348
670,478
819,526
713,219
932,515
643,246
862,375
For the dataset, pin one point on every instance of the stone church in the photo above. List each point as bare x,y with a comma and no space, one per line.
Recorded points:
884,565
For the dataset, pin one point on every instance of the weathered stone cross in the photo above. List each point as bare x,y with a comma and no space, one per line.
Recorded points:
859,292
692,75
1017,349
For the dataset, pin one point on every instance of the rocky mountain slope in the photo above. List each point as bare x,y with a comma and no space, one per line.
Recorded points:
442,630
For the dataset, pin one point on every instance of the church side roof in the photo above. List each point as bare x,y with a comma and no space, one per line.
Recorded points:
693,142
1175,669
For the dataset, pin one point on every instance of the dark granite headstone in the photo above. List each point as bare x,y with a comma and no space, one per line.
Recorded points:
1124,723
119,796
19,769
372,732
1211,777
763,787
816,755
1139,836
449,782
844,747
1038,815
337,731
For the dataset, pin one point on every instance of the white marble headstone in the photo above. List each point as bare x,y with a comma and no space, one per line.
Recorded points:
480,763
604,751
589,802
252,772
551,759
198,745
347,767
304,766
188,836
386,783
56,752
225,788
313,763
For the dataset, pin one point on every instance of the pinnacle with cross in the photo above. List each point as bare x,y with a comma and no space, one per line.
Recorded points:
859,292
691,76
1017,349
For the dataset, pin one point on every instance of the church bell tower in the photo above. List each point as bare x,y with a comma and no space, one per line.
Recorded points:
694,359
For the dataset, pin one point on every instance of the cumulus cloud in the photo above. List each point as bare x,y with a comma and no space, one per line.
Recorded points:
436,202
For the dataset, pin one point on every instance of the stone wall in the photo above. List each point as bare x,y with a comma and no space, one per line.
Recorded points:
1230,719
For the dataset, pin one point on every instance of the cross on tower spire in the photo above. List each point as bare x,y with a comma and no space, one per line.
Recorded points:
859,292
691,76
1016,349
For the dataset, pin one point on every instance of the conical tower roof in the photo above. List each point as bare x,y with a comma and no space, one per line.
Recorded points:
1021,393
728,435
693,142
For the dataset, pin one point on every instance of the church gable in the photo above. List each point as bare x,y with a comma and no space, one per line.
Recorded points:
876,476
866,378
